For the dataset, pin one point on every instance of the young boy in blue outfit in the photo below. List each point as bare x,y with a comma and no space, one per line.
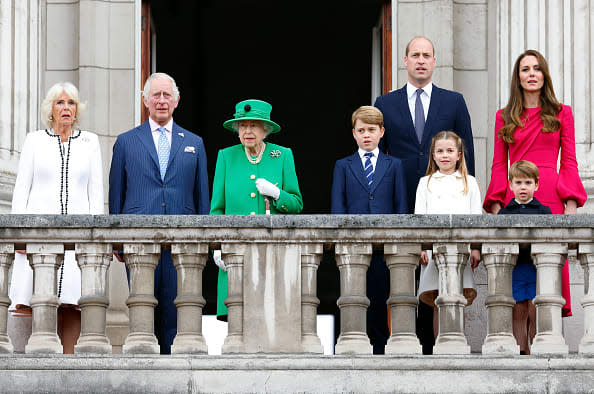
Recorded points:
371,182
523,182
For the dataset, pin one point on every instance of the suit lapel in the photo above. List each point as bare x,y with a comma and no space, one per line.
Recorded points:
405,114
177,139
146,138
357,169
381,165
431,115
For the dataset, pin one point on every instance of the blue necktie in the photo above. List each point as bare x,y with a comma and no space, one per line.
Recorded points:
163,152
419,116
368,168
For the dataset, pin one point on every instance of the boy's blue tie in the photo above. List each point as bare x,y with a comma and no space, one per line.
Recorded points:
419,116
163,152
368,168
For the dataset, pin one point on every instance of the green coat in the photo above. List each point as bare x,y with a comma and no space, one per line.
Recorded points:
234,191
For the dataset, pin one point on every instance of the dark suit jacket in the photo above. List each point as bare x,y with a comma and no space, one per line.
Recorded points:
351,194
447,111
135,185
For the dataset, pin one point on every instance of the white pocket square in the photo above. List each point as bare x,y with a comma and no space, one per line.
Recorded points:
190,149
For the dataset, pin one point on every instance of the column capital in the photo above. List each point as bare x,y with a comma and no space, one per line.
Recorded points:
311,249
40,248
451,248
585,248
93,248
143,248
353,249
402,248
189,248
546,248
232,248
500,248
7,248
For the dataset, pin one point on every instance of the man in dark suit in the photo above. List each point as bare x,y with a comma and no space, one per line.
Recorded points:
160,168
371,182
413,115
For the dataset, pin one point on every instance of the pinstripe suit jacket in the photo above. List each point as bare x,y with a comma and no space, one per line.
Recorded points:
135,185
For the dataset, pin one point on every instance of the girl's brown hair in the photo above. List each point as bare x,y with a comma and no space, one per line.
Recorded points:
550,107
432,166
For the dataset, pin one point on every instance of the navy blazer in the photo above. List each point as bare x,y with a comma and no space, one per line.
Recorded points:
351,193
447,111
135,185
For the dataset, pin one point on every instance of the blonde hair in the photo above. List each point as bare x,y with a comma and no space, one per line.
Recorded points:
432,166
52,94
368,114
523,169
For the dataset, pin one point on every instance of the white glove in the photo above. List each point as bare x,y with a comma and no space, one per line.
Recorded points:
216,255
267,189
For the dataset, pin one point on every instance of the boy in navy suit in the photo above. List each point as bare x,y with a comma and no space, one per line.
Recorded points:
371,182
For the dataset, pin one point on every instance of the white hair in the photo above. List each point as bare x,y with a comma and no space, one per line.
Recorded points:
265,125
147,85
52,94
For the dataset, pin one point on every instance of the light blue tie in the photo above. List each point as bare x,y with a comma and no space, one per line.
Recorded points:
163,152
368,168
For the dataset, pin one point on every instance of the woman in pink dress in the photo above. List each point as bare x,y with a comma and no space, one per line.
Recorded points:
534,126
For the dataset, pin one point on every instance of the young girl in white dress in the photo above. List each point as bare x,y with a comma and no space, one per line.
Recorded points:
446,188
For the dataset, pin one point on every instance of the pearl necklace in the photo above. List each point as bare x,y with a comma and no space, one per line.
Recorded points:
258,158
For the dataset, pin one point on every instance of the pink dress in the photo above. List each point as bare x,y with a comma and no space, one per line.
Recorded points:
554,188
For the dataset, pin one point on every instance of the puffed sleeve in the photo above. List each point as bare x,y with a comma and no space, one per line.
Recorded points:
475,196
569,185
421,198
498,184
217,203
22,185
290,200
95,186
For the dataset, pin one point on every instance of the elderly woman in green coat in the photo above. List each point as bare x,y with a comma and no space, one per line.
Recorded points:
253,177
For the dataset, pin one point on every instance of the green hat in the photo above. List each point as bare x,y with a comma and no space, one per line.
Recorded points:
252,110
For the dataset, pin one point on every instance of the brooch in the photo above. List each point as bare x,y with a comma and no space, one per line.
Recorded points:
275,153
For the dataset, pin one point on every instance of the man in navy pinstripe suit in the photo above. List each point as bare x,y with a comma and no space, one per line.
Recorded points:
159,168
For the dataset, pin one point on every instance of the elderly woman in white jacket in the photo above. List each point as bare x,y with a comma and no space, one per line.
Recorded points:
60,172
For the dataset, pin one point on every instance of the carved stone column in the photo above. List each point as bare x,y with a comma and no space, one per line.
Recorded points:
549,259
233,255
586,256
499,260
402,260
353,261
45,259
311,254
141,260
451,259
93,260
189,261
6,258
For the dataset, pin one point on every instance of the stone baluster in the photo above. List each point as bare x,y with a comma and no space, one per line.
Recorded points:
141,260
353,261
311,254
45,259
499,260
451,259
93,260
189,261
549,259
586,256
233,255
6,258
402,260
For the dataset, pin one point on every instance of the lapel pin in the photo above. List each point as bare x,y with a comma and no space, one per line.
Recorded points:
180,134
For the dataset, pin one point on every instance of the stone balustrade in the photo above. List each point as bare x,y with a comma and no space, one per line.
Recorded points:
272,263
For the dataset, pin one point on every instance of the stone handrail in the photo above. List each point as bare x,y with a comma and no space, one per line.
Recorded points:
279,256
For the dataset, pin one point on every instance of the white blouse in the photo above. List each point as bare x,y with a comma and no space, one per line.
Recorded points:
38,184
443,195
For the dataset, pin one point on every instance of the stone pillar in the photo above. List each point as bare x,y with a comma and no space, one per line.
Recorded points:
402,260
189,261
233,255
549,259
6,258
93,260
586,256
45,259
141,260
353,261
311,254
451,259
499,260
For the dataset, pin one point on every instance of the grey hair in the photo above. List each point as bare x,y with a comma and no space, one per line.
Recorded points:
52,94
147,85
266,126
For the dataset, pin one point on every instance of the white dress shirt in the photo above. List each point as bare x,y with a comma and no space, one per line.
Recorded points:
411,92
373,158
443,195
155,131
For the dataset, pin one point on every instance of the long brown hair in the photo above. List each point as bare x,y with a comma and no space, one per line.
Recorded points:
432,166
550,107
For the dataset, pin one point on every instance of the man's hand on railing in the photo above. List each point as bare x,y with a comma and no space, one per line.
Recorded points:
21,251
216,256
475,258
424,259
